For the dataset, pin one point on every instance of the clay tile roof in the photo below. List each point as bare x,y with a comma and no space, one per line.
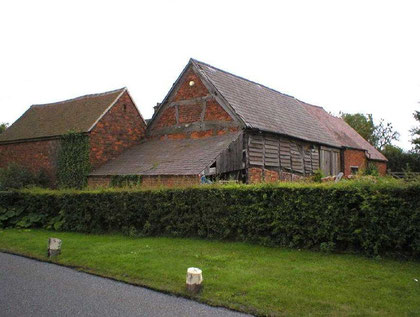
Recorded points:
168,157
268,110
55,119
343,133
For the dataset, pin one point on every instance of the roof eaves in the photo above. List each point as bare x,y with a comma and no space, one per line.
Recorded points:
297,138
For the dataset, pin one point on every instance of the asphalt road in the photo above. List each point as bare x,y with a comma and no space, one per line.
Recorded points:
33,288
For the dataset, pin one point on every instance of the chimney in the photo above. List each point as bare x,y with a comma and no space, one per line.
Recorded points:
156,107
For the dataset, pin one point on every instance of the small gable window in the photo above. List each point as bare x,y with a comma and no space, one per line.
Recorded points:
124,107
354,169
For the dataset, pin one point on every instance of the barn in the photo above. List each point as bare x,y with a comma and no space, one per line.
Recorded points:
111,120
213,124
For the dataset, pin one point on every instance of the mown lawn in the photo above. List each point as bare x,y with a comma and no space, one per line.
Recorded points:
246,277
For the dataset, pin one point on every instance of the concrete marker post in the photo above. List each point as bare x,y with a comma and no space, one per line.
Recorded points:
54,247
194,280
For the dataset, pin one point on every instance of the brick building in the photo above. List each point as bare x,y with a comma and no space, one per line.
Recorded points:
215,124
111,120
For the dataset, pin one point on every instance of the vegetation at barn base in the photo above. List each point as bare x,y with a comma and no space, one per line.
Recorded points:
15,176
251,278
367,218
73,160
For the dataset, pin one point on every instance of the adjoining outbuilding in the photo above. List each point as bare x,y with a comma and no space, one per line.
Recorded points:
110,119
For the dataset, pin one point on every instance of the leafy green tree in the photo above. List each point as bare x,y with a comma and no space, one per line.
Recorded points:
379,135
399,160
363,124
384,134
415,133
3,126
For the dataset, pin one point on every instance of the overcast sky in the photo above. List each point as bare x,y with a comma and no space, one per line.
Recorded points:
351,56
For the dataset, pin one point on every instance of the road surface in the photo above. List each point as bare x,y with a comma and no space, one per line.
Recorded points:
33,288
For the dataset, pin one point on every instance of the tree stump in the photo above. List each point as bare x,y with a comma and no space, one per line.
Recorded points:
54,247
194,280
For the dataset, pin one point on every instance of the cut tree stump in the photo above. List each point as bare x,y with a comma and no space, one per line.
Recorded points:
194,280
54,247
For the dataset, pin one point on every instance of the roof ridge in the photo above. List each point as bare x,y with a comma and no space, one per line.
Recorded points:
243,78
254,82
80,97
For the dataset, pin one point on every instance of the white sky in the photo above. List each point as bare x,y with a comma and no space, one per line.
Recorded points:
353,56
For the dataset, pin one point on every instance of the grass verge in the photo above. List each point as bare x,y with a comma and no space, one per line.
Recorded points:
245,277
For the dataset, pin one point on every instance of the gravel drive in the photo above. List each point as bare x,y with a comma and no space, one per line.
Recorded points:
33,288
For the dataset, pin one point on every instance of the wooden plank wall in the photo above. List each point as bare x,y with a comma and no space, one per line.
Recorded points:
231,158
330,160
277,152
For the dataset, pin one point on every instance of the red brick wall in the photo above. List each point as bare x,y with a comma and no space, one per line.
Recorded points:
35,155
151,181
354,158
382,166
98,181
186,92
121,128
204,109
258,175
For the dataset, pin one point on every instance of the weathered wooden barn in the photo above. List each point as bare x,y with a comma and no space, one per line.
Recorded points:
216,124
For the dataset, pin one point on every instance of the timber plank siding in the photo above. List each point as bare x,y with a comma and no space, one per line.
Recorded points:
280,153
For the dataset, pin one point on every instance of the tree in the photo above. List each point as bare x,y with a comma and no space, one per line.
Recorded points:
378,135
363,124
3,126
384,134
415,133
399,160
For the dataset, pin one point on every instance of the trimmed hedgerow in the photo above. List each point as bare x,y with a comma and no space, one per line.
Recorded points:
367,219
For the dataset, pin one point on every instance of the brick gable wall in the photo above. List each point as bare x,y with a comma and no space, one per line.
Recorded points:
192,112
121,128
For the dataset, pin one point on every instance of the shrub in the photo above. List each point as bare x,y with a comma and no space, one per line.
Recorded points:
371,169
318,175
364,217
15,176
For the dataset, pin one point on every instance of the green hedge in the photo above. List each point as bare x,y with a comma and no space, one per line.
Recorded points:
367,219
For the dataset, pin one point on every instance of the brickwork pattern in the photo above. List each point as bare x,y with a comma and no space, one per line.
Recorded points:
354,158
382,167
34,155
186,91
258,175
197,110
121,128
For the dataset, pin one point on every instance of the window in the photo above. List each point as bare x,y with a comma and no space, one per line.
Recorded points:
354,169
